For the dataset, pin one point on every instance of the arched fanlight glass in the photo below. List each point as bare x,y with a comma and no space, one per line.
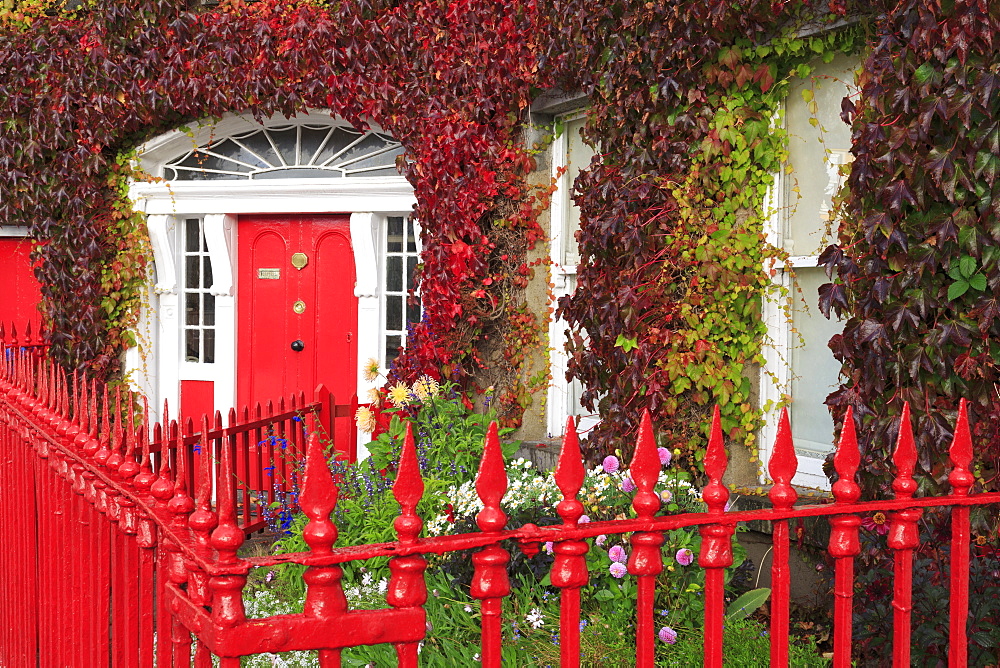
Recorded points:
288,152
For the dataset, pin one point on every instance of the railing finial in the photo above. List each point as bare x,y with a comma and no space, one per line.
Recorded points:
905,457
961,453
715,495
491,483
569,476
846,461
782,465
408,490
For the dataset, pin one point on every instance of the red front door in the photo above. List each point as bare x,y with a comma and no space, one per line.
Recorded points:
296,307
21,294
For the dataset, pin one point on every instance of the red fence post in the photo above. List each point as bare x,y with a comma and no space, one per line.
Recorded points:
844,545
569,570
407,588
961,480
489,580
646,560
782,468
903,539
716,547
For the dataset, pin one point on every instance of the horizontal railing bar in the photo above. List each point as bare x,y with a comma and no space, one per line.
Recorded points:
558,532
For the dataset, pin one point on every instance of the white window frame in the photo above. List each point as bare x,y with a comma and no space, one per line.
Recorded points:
408,223
777,375
563,397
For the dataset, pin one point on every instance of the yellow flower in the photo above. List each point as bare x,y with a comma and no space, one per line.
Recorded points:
372,371
426,388
374,397
365,419
399,395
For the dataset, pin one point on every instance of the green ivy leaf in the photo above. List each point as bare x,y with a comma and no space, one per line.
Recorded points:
967,266
924,73
957,289
626,343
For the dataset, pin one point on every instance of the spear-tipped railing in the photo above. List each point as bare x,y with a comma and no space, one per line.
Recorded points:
165,516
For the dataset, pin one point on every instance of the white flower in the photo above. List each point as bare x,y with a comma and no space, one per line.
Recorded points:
535,618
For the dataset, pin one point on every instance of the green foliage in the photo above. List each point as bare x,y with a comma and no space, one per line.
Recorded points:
747,604
745,644
449,435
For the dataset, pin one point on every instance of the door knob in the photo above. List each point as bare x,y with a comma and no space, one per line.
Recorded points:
297,345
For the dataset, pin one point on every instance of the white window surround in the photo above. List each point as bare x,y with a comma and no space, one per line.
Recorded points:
369,201
785,228
563,397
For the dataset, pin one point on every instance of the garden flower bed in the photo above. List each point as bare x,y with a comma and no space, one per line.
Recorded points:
449,444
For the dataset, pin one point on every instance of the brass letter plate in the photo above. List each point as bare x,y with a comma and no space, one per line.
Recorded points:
272,274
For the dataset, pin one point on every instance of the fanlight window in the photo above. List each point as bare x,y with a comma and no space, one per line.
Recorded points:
293,151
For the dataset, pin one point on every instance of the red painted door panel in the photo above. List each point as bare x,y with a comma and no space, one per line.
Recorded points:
269,286
21,293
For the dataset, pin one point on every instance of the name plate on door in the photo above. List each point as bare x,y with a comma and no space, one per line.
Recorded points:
272,274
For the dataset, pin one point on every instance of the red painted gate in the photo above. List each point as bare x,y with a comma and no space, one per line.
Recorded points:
296,308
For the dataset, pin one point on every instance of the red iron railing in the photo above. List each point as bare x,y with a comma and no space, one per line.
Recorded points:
163,566
36,343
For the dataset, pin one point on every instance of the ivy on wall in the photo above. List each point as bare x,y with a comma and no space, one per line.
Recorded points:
667,312
916,267
80,89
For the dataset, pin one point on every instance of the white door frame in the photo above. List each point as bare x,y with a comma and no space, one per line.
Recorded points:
158,370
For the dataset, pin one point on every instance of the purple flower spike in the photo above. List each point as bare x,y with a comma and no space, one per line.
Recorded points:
628,486
618,570
617,554
610,464
684,556
664,456
667,635
548,547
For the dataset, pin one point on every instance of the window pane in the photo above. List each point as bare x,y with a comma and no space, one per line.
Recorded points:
287,141
413,312
394,313
578,155
206,281
815,371
394,236
208,314
339,140
411,266
392,344
816,152
192,273
394,274
209,357
411,239
192,343
191,308
192,235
